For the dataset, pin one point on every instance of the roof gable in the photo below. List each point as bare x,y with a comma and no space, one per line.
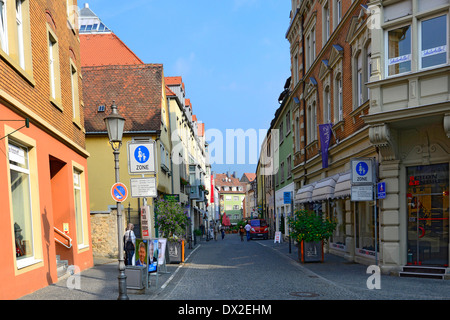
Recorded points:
137,91
105,49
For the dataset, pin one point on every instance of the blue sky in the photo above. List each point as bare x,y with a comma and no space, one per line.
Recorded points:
232,55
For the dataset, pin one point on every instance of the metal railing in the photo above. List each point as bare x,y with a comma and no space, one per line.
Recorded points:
65,236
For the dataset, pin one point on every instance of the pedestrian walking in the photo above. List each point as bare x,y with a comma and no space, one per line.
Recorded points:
129,240
247,229
216,230
222,229
241,232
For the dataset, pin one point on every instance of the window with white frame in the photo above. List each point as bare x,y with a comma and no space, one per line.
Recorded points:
54,68
21,201
433,41
327,105
281,132
312,122
3,27
399,50
295,69
326,23
359,79
289,166
297,134
79,212
288,122
310,53
75,97
368,66
337,15
20,40
339,103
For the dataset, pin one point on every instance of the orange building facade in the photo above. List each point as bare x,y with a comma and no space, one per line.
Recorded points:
43,160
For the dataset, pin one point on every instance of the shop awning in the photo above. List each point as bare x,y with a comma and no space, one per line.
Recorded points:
343,186
304,193
324,189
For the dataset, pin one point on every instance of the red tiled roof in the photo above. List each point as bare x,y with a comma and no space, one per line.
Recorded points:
250,176
170,81
136,90
105,49
187,103
234,181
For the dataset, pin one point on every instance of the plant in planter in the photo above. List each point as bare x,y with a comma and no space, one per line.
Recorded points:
311,232
171,222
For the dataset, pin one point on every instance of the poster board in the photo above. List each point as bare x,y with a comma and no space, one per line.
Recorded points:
141,252
153,255
162,248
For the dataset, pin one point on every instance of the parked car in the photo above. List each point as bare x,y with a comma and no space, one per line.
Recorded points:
260,229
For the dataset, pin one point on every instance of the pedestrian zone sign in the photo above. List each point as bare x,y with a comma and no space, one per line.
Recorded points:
362,171
141,157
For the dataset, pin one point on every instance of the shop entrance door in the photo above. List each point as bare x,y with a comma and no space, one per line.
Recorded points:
428,215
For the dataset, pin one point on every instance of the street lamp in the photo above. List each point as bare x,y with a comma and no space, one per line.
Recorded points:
114,125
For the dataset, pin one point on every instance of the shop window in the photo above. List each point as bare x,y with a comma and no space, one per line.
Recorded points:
338,211
365,227
399,50
79,208
21,200
433,51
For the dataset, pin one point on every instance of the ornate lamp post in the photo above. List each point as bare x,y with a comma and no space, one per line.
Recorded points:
114,125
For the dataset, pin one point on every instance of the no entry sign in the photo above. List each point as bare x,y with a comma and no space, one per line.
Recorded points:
119,192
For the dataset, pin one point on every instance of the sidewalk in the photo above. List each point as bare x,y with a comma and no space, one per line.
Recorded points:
101,283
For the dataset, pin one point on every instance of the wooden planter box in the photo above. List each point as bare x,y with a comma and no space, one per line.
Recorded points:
310,251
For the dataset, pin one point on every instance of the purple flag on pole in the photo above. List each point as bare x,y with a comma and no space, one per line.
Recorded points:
325,137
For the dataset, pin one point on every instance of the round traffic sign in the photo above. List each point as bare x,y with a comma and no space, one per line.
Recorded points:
362,168
141,154
119,192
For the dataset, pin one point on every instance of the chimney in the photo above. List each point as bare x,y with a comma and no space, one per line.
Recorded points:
86,5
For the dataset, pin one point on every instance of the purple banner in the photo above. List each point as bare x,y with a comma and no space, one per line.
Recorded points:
325,138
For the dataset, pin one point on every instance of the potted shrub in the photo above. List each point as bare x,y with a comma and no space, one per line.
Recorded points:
171,222
311,232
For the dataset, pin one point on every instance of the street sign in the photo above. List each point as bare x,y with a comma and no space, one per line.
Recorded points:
143,187
381,187
287,197
362,171
362,193
119,192
141,157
